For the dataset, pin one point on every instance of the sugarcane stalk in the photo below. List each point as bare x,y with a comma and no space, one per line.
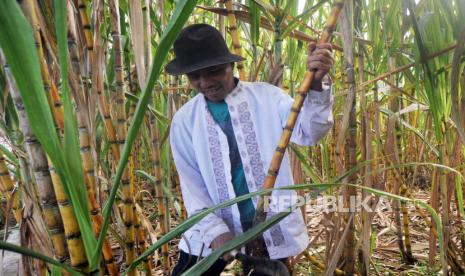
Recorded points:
406,228
9,189
148,33
405,245
31,9
319,265
40,171
94,206
276,161
174,177
72,231
142,244
140,231
127,187
351,142
87,28
367,154
235,37
161,199
71,227
445,203
395,158
94,53
177,191
33,230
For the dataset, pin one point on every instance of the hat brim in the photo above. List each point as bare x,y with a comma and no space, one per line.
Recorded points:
175,67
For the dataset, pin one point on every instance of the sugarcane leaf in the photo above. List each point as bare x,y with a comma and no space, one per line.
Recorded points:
254,23
160,116
446,7
181,14
461,9
457,113
56,271
17,43
267,9
430,81
152,179
459,193
9,155
27,252
303,17
305,162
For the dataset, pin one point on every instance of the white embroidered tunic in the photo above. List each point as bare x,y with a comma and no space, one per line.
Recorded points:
201,153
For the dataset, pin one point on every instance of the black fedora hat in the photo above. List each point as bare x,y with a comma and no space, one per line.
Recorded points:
199,46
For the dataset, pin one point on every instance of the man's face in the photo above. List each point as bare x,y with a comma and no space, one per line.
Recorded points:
214,82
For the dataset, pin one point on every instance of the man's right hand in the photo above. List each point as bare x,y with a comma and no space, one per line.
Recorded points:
219,241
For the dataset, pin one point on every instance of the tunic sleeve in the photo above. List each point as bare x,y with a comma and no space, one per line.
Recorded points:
193,188
315,118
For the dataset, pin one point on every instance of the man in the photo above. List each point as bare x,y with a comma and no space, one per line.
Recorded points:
223,140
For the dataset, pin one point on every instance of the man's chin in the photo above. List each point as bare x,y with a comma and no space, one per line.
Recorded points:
214,97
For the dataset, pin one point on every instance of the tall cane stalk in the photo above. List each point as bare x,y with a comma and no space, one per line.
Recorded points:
161,199
40,170
94,55
126,185
235,37
273,169
351,141
9,190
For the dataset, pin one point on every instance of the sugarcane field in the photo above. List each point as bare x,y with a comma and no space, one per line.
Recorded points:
220,137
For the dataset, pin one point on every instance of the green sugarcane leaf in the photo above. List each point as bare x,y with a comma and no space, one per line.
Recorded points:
160,116
56,271
73,181
430,81
27,252
181,14
459,193
9,155
17,43
297,21
461,9
254,23
305,162
151,178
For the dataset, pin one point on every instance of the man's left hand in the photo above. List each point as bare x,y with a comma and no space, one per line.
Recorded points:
320,59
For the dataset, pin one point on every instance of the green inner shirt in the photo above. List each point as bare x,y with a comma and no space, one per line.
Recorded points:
220,113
